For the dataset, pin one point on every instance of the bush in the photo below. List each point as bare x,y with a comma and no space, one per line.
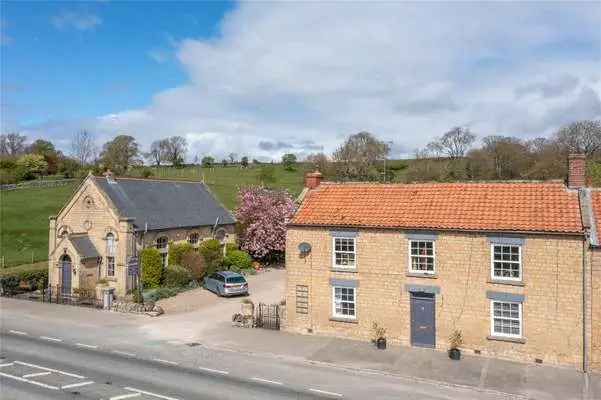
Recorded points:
159,293
239,259
35,275
177,250
229,247
146,172
152,270
177,276
212,253
195,264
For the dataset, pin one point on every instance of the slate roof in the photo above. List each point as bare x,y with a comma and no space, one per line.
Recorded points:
511,206
596,201
164,204
84,246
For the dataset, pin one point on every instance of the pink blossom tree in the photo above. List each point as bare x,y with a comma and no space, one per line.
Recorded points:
262,214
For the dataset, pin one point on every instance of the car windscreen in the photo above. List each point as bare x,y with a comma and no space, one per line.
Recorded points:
236,279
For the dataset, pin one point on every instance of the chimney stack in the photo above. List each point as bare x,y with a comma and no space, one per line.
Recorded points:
576,171
313,179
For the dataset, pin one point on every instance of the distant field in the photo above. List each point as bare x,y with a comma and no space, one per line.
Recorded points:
225,182
24,213
24,222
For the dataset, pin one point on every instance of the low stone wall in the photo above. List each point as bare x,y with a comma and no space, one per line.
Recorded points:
148,308
37,184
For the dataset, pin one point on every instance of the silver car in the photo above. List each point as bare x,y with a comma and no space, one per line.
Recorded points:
226,283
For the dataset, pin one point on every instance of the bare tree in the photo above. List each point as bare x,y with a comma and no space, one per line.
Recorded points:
12,144
176,147
233,157
581,137
319,161
83,148
358,156
454,144
158,153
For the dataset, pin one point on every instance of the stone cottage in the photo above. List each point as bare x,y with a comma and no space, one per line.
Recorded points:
514,266
108,220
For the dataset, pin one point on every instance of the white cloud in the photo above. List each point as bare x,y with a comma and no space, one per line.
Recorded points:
293,73
82,21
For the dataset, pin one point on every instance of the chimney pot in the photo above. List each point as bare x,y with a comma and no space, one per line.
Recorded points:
313,179
576,171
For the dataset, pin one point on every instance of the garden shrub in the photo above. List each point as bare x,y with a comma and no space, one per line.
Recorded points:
177,250
152,270
212,253
195,264
177,276
239,259
36,275
157,294
229,247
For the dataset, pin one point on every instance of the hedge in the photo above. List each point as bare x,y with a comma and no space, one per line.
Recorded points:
177,250
177,276
152,270
34,274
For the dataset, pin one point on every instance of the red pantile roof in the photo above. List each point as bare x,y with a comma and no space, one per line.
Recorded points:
596,195
511,206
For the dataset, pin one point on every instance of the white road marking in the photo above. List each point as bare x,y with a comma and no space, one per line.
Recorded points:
217,371
126,396
52,339
51,370
78,384
160,396
326,392
18,378
37,374
124,353
88,346
18,332
267,381
6,365
164,361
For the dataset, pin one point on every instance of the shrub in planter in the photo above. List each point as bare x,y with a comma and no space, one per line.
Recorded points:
195,264
177,250
152,270
239,259
379,335
176,276
455,341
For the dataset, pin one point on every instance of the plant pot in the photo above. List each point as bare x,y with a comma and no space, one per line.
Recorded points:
381,343
455,354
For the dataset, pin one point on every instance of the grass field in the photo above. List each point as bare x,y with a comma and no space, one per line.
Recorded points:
24,213
24,222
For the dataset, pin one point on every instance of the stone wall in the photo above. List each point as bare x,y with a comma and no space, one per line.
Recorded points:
552,286
595,359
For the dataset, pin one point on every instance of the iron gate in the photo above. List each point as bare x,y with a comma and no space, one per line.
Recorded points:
267,316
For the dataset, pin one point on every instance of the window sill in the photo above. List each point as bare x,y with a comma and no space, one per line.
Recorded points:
110,278
506,282
347,320
507,339
421,275
351,270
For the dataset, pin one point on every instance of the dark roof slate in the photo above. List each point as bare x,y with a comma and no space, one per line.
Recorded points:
84,246
156,204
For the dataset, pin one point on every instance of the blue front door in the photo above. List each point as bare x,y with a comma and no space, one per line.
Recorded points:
66,275
423,328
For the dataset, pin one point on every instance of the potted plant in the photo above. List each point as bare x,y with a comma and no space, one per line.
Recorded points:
379,335
455,341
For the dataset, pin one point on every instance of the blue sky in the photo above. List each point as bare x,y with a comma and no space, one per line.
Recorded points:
266,78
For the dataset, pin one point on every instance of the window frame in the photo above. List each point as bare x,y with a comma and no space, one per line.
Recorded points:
197,236
492,263
492,320
110,266
111,246
354,252
342,316
410,262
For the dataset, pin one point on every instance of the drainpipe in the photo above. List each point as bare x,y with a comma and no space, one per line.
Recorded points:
584,308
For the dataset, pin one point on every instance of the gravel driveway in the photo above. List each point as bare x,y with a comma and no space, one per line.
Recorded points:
191,314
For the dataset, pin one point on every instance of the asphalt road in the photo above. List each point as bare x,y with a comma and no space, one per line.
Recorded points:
46,349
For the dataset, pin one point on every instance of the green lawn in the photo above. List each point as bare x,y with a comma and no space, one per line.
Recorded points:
24,222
